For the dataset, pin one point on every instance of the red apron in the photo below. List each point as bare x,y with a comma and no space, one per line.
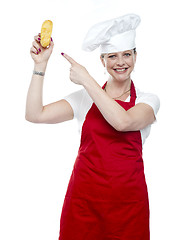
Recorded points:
107,197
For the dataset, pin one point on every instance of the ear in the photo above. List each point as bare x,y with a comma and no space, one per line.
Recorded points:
135,56
102,60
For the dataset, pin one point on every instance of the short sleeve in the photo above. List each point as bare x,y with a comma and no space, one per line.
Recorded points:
150,99
75,99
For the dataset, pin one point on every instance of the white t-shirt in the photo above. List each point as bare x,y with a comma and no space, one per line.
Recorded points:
81,102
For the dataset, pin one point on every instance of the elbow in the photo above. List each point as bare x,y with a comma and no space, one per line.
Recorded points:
33,116
27,118
31,119
121,128
123,125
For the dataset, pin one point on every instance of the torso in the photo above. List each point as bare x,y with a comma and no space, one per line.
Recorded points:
81,102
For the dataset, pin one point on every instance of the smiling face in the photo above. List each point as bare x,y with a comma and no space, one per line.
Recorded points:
120,64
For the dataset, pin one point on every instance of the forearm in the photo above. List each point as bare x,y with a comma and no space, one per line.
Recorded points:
113,113
34,104
136,118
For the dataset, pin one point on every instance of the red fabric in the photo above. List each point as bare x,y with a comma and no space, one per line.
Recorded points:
107,197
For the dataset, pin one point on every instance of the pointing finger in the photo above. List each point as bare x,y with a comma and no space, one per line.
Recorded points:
71,60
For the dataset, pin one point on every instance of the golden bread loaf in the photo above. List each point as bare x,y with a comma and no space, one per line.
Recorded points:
46,32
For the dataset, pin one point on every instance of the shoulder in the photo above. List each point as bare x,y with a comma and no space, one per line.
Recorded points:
80,101
75,99
148,98
74,95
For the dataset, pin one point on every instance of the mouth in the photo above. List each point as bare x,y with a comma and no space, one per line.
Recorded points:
120,70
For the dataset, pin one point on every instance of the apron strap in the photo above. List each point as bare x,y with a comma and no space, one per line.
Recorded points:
132,93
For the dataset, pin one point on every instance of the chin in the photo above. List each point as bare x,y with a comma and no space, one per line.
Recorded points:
121,78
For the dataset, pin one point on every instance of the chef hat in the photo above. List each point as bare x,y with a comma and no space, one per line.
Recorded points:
114,35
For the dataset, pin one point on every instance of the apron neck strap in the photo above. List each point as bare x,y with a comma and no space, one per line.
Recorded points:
132,92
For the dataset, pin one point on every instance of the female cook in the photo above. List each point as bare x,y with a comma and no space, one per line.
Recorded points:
107,196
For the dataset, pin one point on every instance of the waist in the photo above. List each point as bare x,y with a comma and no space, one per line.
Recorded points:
100,164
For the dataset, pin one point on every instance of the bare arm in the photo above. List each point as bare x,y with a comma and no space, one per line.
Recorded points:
134,119
35,111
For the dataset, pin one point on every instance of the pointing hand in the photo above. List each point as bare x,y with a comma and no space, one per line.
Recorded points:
78,73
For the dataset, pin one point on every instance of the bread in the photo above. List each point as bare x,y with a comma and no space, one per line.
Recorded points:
46,32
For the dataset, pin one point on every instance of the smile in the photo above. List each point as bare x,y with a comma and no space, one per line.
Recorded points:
120,70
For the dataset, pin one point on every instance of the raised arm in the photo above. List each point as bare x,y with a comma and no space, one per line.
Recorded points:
56,112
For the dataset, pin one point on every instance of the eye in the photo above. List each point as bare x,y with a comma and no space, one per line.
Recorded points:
127,54
112,56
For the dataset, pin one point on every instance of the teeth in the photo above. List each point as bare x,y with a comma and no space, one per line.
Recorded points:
121,70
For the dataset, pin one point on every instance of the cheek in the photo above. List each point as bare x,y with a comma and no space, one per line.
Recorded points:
131,62
109,64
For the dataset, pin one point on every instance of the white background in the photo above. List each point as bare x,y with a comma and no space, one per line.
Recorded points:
36,159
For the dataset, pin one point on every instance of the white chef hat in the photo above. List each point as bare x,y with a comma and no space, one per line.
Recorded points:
114,35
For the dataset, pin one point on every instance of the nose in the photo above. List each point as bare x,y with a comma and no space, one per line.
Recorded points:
121,61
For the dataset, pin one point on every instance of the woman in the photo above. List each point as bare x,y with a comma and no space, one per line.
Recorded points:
107,195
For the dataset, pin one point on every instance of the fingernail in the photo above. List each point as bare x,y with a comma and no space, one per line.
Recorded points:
39,50
51,39
62,53
39,39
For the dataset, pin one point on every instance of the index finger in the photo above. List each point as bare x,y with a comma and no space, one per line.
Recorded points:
71,60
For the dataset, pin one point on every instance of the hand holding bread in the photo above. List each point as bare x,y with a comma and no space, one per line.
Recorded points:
42,45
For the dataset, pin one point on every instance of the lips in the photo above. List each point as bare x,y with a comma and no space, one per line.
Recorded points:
120,70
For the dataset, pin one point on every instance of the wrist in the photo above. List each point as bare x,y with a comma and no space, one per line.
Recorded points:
89,82
40,67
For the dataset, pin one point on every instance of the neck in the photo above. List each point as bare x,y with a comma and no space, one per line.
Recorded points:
118,86
117,89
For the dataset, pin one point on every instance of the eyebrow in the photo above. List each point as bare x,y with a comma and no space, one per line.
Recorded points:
114,53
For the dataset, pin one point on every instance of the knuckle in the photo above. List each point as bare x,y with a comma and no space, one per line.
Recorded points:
34,43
